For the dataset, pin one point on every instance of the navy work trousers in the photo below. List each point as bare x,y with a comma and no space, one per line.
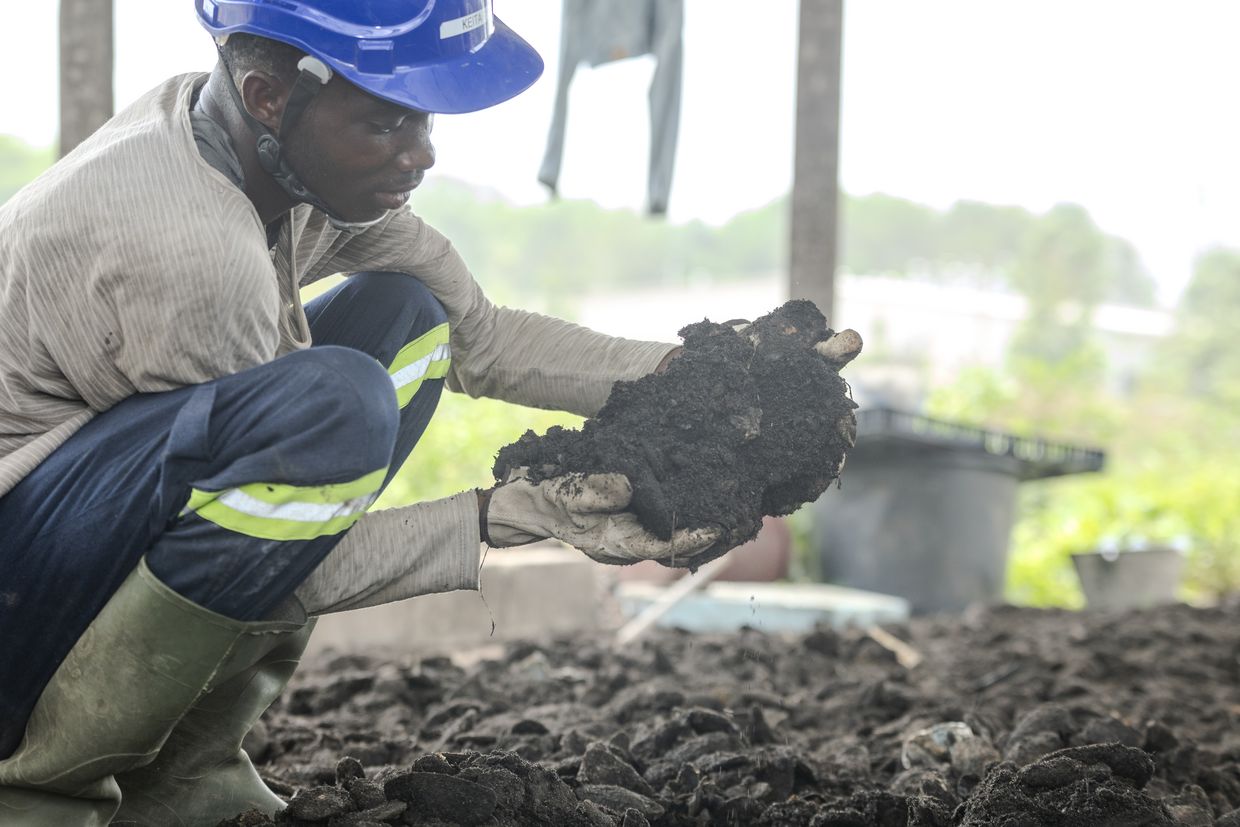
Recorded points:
125,485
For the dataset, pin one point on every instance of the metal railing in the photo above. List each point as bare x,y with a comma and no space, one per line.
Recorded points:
1049,458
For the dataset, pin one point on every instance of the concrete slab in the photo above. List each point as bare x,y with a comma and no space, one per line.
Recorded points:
541,589
770,607
550,589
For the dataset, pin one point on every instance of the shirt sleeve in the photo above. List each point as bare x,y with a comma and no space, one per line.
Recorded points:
399,553
500,352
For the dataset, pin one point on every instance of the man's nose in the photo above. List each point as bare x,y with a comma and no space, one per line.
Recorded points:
418,153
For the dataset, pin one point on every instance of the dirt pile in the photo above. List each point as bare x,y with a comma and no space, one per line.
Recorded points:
1014,718
740,425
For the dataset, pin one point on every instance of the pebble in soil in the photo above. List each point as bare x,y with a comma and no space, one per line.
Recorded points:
738,426
1014,718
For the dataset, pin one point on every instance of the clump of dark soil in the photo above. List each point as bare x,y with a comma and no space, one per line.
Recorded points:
740,425
439,789
1014,718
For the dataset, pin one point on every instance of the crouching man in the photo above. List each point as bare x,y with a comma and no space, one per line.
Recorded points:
188,454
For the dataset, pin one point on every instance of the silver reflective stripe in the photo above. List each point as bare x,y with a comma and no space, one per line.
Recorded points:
296,512
414,371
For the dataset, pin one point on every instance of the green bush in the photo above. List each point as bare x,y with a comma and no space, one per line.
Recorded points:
1171,476
459,447
20,163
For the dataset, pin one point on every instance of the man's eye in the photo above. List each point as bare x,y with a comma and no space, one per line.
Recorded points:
382,128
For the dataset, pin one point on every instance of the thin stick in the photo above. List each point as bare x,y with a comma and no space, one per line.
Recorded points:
672,595
906,655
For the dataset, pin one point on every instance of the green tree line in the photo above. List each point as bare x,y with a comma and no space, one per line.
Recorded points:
566,248
571,247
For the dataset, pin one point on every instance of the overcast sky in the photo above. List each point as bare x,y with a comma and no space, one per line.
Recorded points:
1128,107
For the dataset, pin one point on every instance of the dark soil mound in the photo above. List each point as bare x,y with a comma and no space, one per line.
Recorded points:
446,789
1015,718
740,425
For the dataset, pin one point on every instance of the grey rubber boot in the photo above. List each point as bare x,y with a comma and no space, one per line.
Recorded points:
137,671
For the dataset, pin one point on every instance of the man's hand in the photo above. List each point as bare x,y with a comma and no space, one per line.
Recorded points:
588,512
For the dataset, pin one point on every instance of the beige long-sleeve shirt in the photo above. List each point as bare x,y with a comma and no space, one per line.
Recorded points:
134,266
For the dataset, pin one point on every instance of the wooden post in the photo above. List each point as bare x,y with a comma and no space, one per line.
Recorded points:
86,56
815,184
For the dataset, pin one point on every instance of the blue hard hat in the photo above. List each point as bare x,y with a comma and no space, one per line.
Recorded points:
444,56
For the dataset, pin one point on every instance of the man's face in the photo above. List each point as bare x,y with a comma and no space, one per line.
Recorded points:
362,155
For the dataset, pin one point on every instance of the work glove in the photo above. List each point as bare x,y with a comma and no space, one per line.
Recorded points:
589,513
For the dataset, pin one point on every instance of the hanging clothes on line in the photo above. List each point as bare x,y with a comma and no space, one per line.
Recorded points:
601,31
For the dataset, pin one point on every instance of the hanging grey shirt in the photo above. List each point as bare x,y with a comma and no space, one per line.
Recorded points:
600,31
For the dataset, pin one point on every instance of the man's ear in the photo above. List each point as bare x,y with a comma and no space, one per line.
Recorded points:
265,96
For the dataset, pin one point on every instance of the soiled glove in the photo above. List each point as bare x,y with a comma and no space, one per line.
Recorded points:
588,513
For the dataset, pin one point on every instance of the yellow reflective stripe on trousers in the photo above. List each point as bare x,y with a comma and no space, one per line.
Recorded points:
288,512
427,357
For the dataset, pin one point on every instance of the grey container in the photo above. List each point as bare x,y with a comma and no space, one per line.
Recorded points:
926,508
1130,579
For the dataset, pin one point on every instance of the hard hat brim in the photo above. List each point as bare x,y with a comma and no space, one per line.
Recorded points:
503,67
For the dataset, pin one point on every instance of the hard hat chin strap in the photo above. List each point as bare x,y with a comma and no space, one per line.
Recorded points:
313,76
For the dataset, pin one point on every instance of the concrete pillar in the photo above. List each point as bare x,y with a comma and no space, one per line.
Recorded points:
86,59
815,184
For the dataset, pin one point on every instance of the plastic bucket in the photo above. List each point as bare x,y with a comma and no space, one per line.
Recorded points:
931,526
1129,579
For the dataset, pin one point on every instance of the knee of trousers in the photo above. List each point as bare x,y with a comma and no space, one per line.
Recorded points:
400,290
341,400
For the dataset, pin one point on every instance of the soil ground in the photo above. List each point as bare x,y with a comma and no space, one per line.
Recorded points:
1015,718
740,425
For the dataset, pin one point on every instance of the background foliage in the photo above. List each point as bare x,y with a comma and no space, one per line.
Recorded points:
1172,476
1172,473
544,256
459,447
19,164
568,248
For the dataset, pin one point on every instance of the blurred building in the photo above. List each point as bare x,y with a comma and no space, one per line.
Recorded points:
918,334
